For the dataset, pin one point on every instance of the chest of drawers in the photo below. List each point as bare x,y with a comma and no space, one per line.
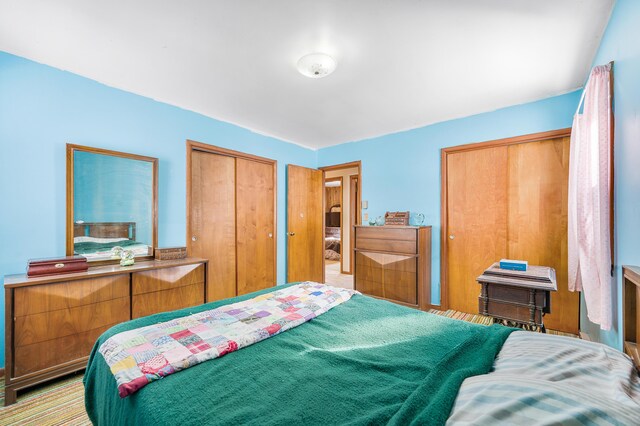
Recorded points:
52,322
394,263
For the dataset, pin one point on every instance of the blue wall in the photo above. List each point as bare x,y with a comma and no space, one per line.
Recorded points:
43,108
621,44
114,189
402,171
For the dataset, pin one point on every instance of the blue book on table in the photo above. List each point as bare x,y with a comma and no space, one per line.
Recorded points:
514,265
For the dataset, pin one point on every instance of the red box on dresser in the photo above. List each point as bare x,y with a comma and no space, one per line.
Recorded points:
56,265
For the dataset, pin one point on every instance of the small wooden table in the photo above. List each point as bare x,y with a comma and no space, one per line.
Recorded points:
519,298
631,312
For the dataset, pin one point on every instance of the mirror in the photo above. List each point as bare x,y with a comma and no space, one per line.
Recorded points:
111,203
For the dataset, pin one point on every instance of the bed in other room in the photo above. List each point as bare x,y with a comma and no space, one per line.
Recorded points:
95,240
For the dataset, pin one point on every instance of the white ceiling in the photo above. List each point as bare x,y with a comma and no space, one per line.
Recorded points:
401,64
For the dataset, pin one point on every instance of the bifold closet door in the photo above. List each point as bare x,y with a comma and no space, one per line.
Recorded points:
213,220
255,205
477,221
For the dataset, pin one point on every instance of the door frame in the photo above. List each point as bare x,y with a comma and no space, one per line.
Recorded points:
348,165
444,152
212,149
357,217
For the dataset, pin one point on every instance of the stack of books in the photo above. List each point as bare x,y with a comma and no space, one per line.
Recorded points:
514,265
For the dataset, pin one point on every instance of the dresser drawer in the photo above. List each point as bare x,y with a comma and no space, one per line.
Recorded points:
386,233
395,246
69,294
167,289
389,276
48,339
384,239
167,300
166,278
51,353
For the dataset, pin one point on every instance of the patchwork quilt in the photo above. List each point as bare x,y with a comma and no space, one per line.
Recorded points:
140,356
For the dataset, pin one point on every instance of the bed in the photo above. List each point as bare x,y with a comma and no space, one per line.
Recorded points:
95,240
368,361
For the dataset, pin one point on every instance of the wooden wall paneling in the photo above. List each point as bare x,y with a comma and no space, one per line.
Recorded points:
212,220
476,221
305,221
255,212
538,174
333,196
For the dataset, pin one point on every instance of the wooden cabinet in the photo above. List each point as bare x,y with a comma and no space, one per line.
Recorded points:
394,263
631,312
53,322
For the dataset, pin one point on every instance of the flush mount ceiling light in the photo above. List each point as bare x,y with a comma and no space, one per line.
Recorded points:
316,65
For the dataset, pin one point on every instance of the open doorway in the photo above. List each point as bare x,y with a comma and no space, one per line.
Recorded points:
342,212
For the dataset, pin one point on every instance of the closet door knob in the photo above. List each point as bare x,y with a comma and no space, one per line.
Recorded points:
451,237
291,234
193,238
270,235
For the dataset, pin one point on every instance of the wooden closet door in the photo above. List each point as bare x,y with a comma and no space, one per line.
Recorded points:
477,221
255,209
212,233
537,226
305,242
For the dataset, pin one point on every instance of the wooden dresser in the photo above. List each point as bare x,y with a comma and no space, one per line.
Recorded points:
52,322
394,263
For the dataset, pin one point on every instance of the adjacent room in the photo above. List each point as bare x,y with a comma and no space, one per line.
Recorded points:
402,212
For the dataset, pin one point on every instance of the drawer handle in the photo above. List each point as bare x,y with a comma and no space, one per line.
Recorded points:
59,265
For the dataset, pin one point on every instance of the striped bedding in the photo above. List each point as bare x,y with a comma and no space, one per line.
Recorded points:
542,379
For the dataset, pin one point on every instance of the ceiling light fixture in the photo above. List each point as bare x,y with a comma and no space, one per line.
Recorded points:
316,65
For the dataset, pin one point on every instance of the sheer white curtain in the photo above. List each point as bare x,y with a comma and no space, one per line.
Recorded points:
589,198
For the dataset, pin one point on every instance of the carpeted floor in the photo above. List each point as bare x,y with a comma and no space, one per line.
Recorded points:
62,402
56,403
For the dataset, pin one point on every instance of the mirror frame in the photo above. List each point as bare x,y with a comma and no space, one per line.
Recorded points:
71,149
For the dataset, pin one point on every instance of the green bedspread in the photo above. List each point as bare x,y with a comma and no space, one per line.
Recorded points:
92,247
366,361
